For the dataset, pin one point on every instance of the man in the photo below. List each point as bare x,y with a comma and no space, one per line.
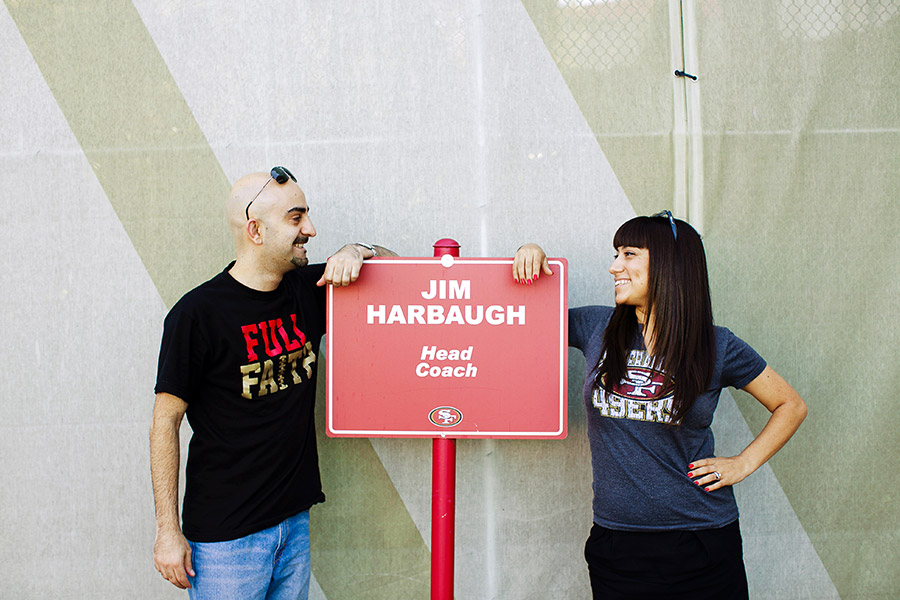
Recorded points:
238,356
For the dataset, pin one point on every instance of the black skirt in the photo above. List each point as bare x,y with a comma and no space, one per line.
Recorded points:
694,565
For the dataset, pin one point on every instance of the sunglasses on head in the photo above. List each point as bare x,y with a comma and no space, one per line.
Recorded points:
280,175
668,214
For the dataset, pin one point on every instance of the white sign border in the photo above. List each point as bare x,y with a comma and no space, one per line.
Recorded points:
430,433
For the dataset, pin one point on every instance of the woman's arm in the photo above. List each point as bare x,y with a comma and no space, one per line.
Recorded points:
528,264
788,411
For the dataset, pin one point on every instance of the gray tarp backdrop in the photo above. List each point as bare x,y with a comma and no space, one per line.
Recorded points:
122,126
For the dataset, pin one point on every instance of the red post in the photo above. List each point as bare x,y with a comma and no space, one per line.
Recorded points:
443,491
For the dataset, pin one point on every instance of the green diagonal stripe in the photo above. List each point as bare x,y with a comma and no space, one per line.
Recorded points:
168,189
365,544
138,133
607,52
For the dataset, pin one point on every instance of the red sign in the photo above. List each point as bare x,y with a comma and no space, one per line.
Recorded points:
447,347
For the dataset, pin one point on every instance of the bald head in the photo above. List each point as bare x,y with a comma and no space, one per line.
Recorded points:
272,238
256,195
242,194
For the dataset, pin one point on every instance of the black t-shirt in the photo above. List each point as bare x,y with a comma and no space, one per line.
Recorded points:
245,362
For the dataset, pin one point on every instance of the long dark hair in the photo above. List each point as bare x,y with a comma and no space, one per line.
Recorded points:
678,298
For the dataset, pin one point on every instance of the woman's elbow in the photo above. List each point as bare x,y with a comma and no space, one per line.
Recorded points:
799,409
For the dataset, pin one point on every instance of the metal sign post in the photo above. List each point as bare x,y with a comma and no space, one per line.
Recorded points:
443,491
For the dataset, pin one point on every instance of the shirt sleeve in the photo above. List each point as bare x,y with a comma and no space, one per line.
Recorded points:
312,274
181,355
304,282
584,321
742,364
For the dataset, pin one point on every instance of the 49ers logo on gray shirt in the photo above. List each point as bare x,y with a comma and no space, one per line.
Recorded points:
636,397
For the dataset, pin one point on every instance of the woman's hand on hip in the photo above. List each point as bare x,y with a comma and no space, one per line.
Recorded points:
719,471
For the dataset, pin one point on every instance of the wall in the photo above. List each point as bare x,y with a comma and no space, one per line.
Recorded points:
494,123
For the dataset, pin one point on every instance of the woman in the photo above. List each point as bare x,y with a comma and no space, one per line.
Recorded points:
665,518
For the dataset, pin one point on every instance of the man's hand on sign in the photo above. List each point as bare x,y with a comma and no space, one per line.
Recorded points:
528,264
342,267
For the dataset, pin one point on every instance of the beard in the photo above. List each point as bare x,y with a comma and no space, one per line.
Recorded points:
300,261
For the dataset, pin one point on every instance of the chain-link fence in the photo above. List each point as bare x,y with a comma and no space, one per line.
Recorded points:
818,19
600,34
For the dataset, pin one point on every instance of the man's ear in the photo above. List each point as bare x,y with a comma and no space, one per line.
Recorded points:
254,231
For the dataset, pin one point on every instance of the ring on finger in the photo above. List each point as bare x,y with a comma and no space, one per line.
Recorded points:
718,475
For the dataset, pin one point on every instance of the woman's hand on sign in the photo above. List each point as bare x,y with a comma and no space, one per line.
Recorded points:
528,264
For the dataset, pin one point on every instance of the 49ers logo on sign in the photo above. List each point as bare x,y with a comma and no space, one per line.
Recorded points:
445,416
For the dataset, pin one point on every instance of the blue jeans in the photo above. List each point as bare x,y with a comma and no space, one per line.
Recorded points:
272,564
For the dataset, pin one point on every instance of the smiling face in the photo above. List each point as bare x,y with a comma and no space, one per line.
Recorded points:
631,271
287,227
302,228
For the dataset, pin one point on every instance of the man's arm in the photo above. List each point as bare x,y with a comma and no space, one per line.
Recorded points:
171,552
342,267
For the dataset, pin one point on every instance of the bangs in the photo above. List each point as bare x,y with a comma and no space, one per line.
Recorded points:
636,232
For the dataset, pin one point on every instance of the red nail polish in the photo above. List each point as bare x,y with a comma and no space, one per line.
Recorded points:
697,482
690,474
707,489
691,466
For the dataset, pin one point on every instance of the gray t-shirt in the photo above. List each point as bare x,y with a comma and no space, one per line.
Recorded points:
640,463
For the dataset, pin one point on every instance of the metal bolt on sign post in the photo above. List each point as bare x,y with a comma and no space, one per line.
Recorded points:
443,490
